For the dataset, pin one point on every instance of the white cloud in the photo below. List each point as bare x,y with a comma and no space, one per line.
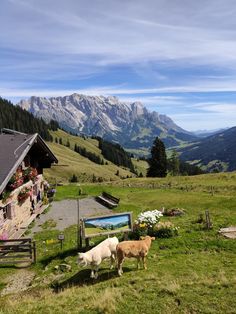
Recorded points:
124,32
216,107
166,50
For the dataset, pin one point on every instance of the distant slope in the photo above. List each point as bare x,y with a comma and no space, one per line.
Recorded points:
206,133
129,124
216,152
71,162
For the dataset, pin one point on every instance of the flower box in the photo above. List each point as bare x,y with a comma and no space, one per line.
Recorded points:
23,195
30,174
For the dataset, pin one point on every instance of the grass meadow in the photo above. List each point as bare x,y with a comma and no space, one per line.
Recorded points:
191,273
71,162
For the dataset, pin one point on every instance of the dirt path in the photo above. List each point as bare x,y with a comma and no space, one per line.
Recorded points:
18,282
65,213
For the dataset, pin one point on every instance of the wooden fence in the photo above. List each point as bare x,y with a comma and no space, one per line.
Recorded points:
17,251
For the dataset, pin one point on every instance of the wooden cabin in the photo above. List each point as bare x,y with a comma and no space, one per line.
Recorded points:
22,185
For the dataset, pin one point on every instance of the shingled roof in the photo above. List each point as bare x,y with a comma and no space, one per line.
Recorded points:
14,146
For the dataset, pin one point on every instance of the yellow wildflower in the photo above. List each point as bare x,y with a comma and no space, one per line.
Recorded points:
142,225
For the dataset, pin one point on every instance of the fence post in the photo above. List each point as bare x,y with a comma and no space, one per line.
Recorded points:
86,243
34,252
208,220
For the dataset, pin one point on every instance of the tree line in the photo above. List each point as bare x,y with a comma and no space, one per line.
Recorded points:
16,118
91,156
116,154
82,151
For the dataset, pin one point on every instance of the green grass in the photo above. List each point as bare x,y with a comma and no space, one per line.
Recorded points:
140,165
191,273
49,224
71,162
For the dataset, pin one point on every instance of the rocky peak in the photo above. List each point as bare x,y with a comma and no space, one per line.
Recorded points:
131,124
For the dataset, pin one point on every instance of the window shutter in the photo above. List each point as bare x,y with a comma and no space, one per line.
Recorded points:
10,211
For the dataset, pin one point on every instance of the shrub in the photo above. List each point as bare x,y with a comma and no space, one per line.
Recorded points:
45,200
74,178
164,230
139,230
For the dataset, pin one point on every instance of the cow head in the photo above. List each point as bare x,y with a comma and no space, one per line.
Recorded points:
82,261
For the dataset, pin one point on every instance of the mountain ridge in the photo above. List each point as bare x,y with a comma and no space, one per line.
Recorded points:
130,124
213,153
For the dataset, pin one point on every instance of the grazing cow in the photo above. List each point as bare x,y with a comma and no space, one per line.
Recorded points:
138,249
94,257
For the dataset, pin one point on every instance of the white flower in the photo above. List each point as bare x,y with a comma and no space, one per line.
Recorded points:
150,217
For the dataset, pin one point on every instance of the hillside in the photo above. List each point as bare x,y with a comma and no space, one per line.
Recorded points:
214,153
71,162
129,124
15,118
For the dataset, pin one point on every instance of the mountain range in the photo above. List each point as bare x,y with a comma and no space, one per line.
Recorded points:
213,153
206,133
130,124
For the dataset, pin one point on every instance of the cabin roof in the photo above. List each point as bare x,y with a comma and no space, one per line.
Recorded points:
14,146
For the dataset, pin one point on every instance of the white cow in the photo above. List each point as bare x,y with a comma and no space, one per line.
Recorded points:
94,257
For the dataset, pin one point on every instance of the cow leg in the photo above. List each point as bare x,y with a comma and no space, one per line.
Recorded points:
96,272
113,260
144,262
92,274
138,261
120,271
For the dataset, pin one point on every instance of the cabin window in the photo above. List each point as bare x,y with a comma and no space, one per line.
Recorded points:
35,189
7,211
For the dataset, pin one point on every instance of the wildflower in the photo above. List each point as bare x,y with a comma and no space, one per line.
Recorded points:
142,225
149,218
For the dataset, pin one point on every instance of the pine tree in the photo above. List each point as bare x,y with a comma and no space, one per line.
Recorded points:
174,163
94,179
158,160
68,143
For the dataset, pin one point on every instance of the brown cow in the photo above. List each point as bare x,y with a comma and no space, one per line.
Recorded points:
138,249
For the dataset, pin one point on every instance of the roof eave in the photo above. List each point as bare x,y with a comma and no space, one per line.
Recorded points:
53,157
22,156
17,163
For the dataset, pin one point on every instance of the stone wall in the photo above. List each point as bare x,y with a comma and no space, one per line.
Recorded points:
18,213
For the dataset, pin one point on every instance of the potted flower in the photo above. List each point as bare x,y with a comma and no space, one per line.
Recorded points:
23,195
6,195
15,181
30,174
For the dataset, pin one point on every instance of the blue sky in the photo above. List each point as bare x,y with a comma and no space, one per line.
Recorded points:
112,220
177,57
